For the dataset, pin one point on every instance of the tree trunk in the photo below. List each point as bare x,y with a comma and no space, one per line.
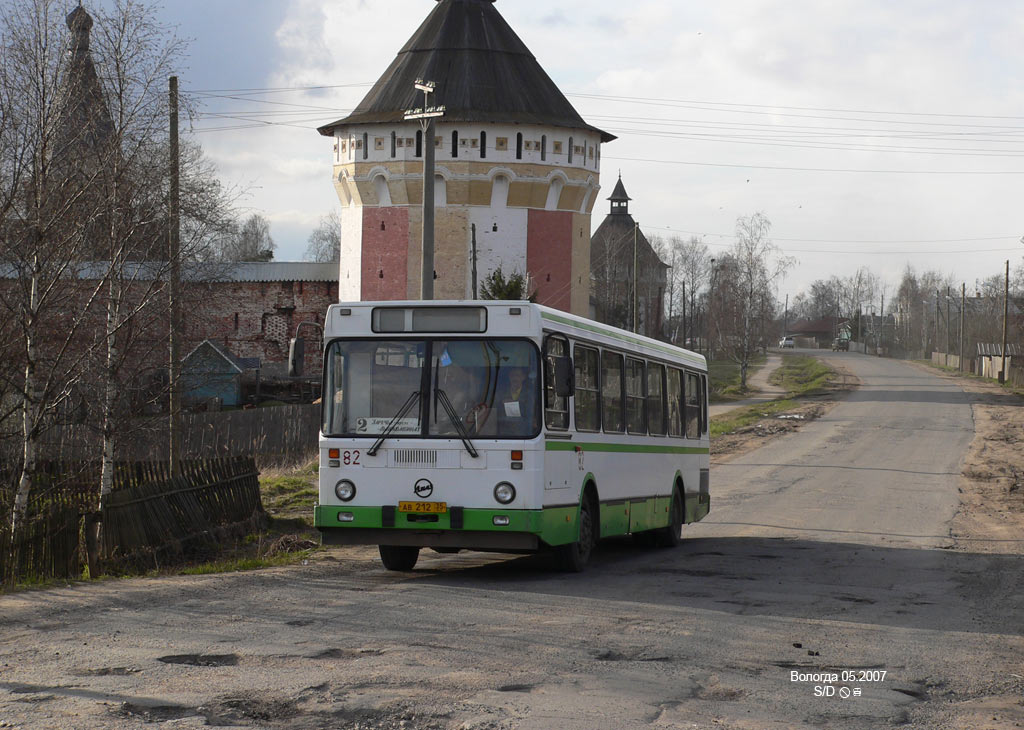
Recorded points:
29,425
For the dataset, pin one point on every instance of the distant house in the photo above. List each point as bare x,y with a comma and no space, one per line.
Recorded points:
212,374
819,332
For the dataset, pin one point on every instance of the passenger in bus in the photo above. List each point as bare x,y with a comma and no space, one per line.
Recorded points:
516,404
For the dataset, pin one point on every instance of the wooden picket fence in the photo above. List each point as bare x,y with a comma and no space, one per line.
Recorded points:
150,518
163,520
272,435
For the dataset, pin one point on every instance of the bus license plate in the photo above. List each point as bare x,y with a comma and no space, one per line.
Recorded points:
423,507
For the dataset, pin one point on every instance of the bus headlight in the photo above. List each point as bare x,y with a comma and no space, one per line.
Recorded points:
345,490
504,493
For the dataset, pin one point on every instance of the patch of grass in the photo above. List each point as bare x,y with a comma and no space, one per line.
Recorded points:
291,492
802,375
749,415
235,565
724,378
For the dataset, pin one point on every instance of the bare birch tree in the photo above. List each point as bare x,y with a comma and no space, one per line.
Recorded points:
745,290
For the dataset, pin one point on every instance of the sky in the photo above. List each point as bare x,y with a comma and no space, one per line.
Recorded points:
870,132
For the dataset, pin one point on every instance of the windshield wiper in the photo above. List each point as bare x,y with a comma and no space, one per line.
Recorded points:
413,399
460,427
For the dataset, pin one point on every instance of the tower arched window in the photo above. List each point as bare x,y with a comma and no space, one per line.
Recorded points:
543,147
570,150
394,140
519,146
455,143
380,187
419,143
483,145
440,191
554,194
499,192
366,145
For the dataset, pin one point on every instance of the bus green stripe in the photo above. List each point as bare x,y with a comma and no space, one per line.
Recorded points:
626,448
674,351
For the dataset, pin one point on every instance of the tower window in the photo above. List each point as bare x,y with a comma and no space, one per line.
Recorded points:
366,145
455,144
543,147
483,145
393,144
570,150
556,147
419,143
519,146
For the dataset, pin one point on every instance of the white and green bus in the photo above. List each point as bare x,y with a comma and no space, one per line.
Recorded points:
505,426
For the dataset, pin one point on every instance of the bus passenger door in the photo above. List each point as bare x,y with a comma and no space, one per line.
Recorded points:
560,459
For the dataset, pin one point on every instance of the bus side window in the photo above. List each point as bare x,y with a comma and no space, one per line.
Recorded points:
635,419
556,408
656,399
704,403
693,424
675,402
588,414
611,391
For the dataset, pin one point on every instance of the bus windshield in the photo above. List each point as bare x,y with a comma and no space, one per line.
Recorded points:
491,386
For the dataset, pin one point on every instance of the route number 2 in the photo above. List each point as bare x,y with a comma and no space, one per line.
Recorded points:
350,458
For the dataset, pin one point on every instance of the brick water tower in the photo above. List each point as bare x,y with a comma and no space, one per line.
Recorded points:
512,157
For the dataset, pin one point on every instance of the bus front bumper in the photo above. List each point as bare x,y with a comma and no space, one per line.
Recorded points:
472,529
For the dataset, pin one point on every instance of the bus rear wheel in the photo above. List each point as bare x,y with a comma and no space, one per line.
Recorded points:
573,558
672,535
399,557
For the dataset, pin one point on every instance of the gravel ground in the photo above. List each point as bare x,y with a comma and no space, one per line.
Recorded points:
830,549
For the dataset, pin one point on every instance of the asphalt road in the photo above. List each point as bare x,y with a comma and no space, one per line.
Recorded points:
825,552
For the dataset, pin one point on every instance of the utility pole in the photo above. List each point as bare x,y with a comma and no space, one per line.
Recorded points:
174,261
1006,312
473,229
785,319
426,115
963,303
685,332
881,326
707,319
946,361
938,316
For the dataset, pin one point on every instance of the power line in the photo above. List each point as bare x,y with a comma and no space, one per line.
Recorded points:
816,169
712,106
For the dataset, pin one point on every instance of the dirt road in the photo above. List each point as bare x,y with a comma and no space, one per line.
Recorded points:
823,554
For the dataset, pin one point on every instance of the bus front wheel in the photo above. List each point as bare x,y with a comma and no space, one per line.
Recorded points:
399,557
573,557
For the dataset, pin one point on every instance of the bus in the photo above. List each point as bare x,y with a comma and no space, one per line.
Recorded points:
505,426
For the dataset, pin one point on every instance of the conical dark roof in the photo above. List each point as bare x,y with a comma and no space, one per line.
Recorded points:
619,193
483,72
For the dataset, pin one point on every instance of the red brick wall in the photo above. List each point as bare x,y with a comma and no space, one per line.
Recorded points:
549,256
256,319
385,251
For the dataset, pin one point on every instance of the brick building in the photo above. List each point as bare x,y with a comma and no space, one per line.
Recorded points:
253,309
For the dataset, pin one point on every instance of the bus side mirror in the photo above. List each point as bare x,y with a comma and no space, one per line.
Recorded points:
564,379
296,356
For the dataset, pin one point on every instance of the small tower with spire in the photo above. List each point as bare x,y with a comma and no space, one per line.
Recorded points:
616,248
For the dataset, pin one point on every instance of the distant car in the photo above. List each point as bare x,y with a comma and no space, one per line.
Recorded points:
840,344
787,342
